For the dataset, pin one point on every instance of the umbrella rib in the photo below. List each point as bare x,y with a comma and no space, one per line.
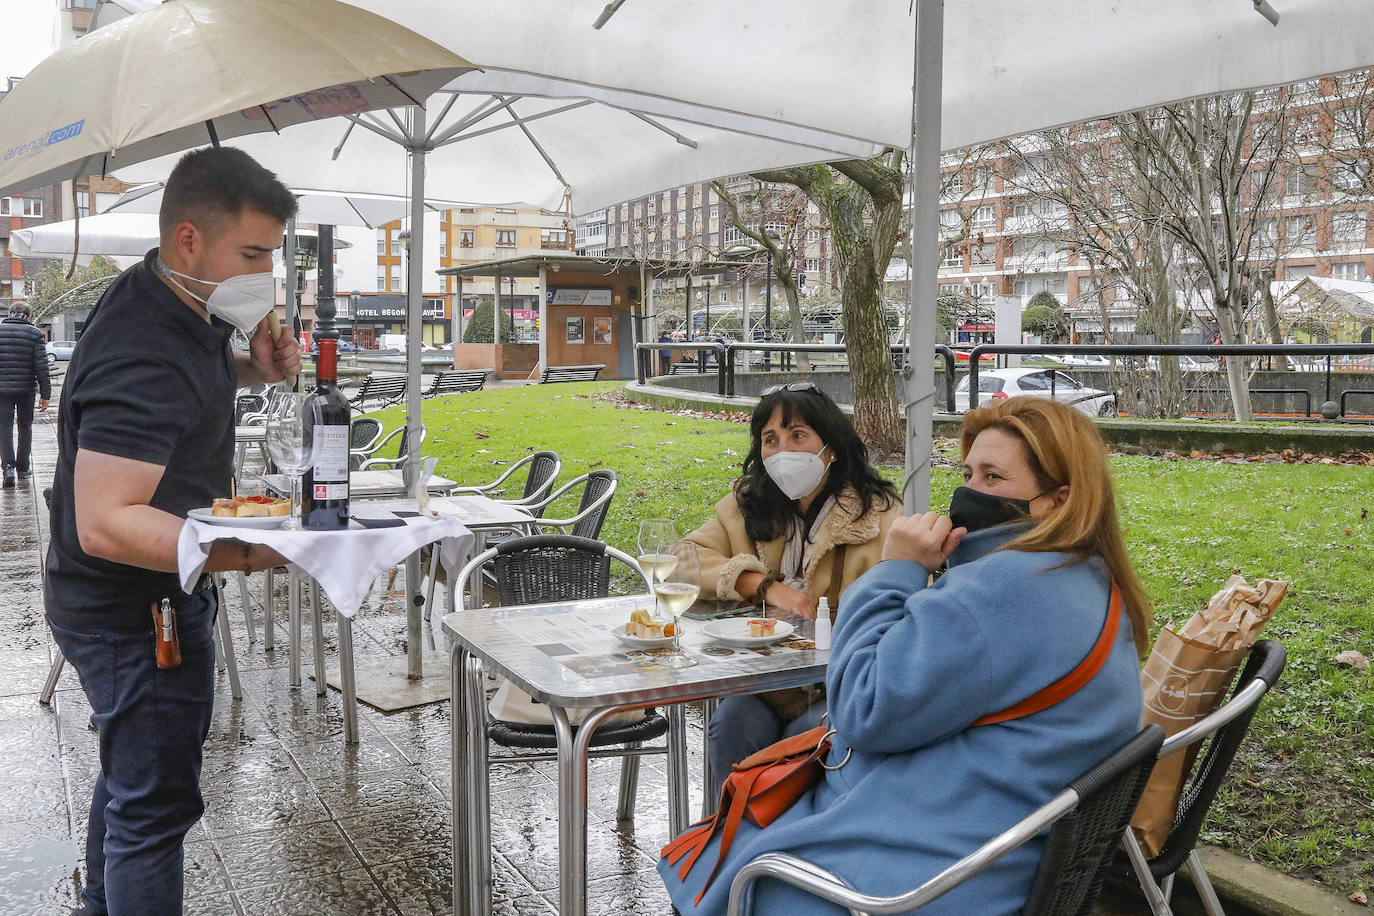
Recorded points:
685,141
448,106
476,116
517,121
377,128
535,143
268,115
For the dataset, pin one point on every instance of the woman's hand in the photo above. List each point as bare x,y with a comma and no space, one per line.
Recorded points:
926,539
789,599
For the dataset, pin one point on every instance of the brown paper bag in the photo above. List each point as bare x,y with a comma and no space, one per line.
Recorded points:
1184,681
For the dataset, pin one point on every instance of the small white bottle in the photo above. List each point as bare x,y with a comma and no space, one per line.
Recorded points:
823,625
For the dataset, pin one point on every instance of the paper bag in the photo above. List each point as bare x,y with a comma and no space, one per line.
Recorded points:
1184,681
511,704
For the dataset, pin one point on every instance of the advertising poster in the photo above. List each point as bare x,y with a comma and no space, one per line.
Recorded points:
601,329
577,332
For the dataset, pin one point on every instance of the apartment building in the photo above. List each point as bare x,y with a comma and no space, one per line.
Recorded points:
471,235
995,209
692,222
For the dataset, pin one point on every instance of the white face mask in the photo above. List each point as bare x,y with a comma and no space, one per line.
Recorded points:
241,300
796,473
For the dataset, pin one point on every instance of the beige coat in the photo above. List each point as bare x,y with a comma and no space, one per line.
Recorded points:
726,551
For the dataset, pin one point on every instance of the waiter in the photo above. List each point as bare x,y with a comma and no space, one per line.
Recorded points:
146,433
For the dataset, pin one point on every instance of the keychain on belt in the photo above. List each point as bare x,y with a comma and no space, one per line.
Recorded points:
165,634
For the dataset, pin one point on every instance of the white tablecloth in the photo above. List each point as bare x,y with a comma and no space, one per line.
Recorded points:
344,562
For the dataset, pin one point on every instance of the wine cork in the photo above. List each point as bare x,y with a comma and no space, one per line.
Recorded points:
275,326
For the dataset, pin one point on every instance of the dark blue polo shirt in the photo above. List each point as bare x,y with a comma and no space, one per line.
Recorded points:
150,380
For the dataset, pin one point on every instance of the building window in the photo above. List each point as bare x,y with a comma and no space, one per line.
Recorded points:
381,279
1301,231
8,206
21,206
715,211
465,238
1348,227
722,296
505,238
1298,271
1302,181
733,235
1350,176
553,238
951,219
1350,270
381,242
443,246
954,183
952,256
983,218
505,210
813,265
83,203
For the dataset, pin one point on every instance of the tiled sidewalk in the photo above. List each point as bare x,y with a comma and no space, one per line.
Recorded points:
294,822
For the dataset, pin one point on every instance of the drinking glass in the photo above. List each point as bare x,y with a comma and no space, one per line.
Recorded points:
289,442
677,590
656,535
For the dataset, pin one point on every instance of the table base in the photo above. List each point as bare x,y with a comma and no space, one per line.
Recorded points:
384,685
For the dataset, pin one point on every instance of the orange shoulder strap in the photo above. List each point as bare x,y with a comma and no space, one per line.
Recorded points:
1070,683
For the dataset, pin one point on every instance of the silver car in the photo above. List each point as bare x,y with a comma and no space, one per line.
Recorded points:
1041,383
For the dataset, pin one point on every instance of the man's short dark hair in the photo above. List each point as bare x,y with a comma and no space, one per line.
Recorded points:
211,186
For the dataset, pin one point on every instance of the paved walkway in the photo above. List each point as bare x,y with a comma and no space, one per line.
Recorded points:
294,822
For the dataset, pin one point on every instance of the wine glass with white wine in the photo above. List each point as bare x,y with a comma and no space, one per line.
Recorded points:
676,591
656,535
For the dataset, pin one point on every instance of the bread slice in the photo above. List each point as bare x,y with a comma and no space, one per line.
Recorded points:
225,508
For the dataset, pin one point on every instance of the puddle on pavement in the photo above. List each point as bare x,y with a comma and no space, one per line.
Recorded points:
42,875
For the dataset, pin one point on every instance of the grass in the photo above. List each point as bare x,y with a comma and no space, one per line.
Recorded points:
1301,794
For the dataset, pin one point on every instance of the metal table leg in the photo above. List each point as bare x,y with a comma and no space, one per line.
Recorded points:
225,645
317,636
293,623
572,808
710,781
269,607
54,673
459,774
247,608
346,685
415,650
477,800
678,791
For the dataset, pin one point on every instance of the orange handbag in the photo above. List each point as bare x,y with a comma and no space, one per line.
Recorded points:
768,782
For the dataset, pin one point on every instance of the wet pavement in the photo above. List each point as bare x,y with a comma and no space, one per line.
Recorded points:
295,822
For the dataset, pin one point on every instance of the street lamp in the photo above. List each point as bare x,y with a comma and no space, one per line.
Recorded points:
305,256
355,299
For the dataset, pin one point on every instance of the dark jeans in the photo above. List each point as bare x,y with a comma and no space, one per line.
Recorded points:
744,724
16,407
152,723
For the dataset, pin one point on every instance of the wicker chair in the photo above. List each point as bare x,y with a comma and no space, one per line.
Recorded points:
363,436
1226,727
368,462
1085,822
598,488
554,567
543,470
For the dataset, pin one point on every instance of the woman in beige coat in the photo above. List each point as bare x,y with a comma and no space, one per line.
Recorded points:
807,516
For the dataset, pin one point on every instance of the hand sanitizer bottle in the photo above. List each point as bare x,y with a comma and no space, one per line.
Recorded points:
823,625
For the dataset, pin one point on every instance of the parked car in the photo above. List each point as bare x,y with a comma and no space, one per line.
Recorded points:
345,346
962,356
1041,383
60,350
1187,363
1087,360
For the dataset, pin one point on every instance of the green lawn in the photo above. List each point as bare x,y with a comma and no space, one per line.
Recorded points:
1301,799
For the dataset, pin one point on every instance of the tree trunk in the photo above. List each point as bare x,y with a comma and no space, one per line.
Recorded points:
1237,372
798,333
870,364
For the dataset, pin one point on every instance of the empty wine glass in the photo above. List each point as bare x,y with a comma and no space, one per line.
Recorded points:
656,535
676,591
289,441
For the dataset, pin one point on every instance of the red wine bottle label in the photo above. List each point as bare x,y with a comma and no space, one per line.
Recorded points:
330,465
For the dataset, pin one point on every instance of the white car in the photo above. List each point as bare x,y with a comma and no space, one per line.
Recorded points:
1086,360
1041,383
60,350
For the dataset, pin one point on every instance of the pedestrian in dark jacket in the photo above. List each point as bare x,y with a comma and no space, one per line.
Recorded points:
23,373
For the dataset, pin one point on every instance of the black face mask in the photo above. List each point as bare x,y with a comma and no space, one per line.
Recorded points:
975,510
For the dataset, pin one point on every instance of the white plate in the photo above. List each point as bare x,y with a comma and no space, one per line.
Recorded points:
250,521
634,642
734,631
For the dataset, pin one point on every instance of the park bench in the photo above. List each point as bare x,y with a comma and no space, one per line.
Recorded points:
387,389
569,374
455,381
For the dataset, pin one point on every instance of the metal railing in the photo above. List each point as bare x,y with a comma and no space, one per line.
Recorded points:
727,362
1214,351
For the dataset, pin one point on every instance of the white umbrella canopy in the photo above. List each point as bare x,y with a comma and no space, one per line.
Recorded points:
125,235
325,208
178,74
504,138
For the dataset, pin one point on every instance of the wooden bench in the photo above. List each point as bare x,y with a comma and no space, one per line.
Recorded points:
686,367
387,389
455,381
569,374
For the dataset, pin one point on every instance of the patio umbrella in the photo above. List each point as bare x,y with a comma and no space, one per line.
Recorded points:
325,208
188,71
123,235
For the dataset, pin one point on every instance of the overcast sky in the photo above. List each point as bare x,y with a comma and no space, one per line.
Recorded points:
27,26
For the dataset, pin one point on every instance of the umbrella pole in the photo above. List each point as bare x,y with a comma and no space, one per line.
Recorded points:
293,316
414,311
925,204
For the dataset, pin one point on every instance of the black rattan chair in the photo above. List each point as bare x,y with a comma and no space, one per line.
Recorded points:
598,488
555,567
364,434
368,462
1226,727
1085,822
543,470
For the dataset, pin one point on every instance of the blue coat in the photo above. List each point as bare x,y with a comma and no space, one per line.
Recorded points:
912,666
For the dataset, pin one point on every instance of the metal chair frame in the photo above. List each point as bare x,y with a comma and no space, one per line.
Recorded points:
630,752
590,516
1227,727
357,454
535,489
1130,764
369,463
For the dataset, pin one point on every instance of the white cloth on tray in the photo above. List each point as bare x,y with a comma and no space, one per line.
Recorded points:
345,563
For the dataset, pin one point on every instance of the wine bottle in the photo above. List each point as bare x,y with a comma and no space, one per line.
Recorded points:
324,490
